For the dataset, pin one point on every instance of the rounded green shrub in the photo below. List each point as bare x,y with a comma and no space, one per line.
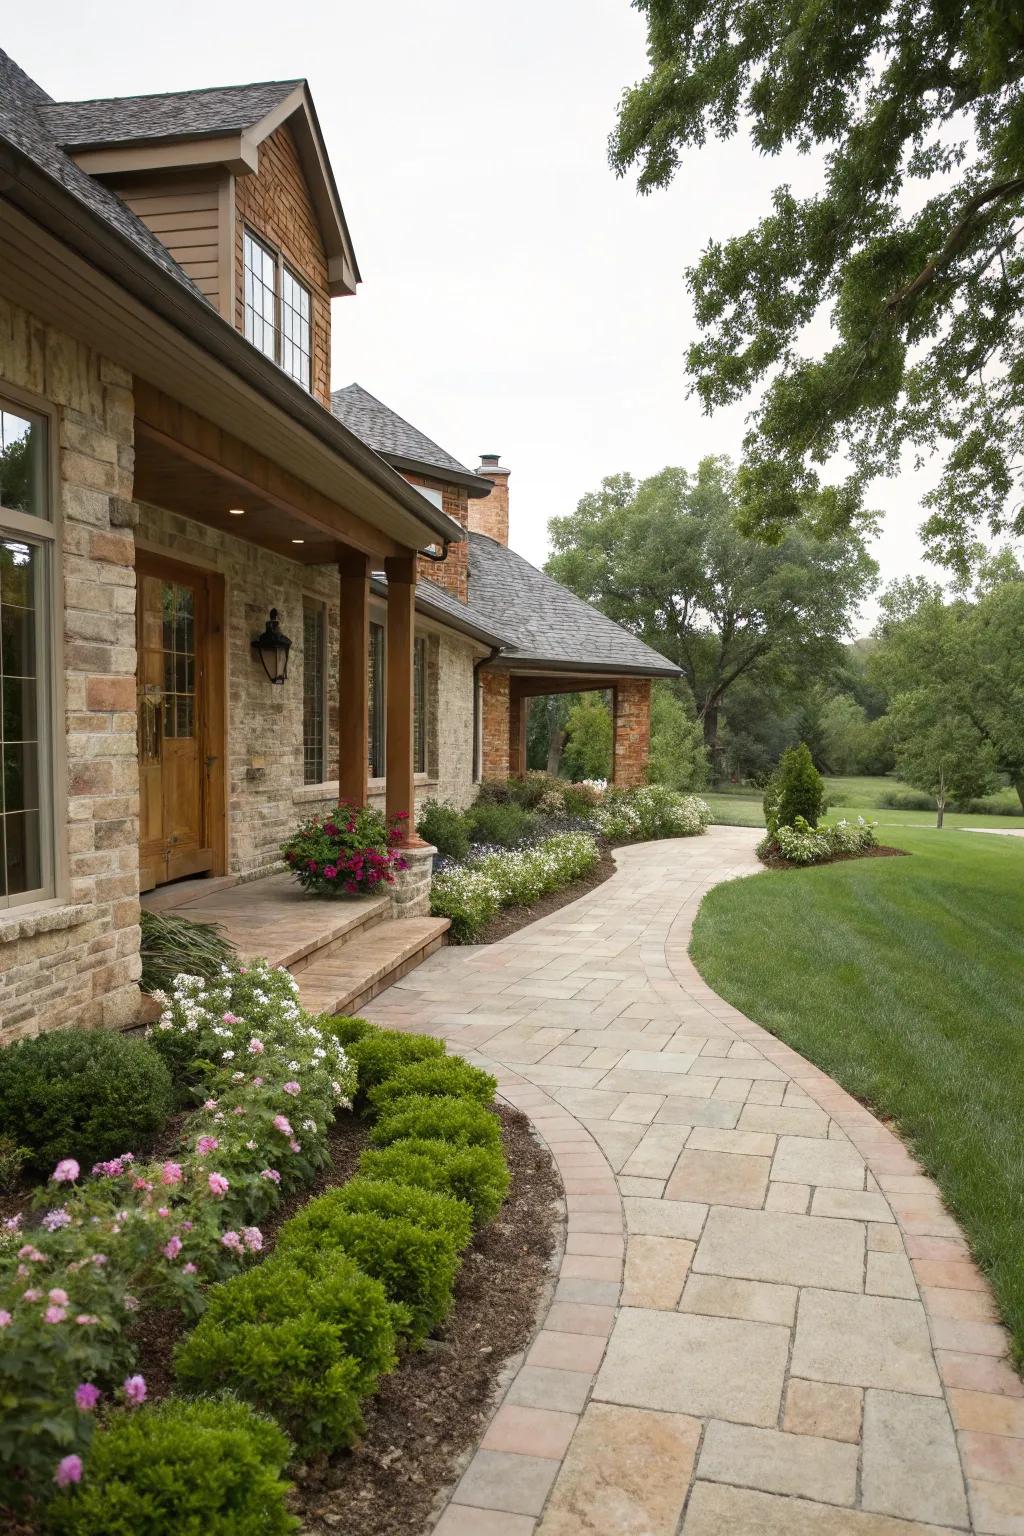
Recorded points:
380,1053
204,1468
445,1075
432,1209
462,1122
416,1267
444,825
303,1336
505,824
87,1094
345,1030
477,1175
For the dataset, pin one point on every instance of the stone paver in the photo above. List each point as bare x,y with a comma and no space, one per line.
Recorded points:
795,1300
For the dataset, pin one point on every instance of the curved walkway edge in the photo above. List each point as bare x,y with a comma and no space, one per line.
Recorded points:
765,1322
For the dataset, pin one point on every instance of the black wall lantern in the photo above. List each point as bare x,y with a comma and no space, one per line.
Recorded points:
273,647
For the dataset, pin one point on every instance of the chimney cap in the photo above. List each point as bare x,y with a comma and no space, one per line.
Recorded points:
490,463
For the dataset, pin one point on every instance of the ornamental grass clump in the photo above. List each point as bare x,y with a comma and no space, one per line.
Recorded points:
476,1175
446,1075
305,1337
461,1122
210,1466
172,944
82,1093
650,812
351,851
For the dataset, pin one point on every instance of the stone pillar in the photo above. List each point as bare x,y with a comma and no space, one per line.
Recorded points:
494,704
398,755
353,678
632,717
410,894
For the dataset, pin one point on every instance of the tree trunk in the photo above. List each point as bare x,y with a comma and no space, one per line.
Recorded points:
1018,785
556,746
709,722
940,801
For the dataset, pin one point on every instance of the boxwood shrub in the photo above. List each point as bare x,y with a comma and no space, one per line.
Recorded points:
87,1094
462,1122
477,1175
416,1267
203,1468
428,1208
447,1076
381,1052
305,1340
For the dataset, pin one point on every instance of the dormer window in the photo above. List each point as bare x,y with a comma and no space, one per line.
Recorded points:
278,310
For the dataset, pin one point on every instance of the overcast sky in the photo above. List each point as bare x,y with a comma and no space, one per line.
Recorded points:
516,297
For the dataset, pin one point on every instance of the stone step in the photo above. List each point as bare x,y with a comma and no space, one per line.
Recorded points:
354,970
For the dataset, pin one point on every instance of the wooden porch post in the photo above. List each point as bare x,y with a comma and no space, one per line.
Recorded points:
353,678
401,795
517,705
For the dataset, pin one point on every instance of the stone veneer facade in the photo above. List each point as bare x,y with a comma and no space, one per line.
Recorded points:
75,959
632,700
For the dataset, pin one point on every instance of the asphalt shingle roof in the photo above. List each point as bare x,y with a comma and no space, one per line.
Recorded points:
545,622
174,115
387,433
22,107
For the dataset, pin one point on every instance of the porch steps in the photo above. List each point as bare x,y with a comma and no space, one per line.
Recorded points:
349,974
341,952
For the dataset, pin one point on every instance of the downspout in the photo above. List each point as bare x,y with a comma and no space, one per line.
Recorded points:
481,661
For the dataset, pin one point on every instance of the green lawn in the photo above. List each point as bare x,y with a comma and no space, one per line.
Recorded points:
740,806
902,978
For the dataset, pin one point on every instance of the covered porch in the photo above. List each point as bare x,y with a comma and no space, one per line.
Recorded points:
506,694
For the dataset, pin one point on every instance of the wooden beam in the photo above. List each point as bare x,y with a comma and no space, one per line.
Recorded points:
528,687
517,736
353,678
401,794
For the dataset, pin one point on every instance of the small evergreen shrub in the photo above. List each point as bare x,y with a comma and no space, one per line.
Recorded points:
416,1267
505,824
86,1094
444,825
427,1208
906,800
203,1468
345,1030
797,789
477,1175
447,1076
380,1053
462,1122
303,1336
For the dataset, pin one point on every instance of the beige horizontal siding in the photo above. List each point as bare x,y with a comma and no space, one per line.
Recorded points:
183,213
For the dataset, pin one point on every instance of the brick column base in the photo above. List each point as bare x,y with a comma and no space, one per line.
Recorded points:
632,732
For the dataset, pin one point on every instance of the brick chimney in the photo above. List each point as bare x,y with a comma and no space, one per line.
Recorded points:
489,514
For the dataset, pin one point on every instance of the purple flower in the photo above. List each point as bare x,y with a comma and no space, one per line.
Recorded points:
231,1018
86,1319
5,1319
31,1294
330,872
218,1184
86,1396
66,1171
69,1470
135,1390
206,1144
281,1124
59,1297
233,1241
253,1239
170,1173
271,1174
256,1047
54,1220
188,1269
13,1223
172,1248
55,1314
293,1088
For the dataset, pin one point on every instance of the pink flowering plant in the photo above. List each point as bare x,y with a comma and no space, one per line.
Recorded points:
101,1243
352,851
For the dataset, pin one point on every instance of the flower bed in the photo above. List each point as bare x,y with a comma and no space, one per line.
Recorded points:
471,894
351,851
804,844
138,1234
650,812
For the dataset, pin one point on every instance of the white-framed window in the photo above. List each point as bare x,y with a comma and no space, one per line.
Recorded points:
27,554
278,309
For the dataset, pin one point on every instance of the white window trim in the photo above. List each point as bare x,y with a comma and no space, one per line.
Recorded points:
281,265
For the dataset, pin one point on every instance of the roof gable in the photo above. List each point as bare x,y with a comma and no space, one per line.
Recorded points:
397,440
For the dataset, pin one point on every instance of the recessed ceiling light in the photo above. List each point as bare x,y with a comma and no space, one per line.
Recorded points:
236,511
298,541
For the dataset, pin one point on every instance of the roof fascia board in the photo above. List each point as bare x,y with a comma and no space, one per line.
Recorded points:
233,150
473,483
530,666
63,261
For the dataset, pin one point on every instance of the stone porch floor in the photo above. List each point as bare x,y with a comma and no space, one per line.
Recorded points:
765,1322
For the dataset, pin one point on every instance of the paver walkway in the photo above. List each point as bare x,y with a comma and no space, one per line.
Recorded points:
765,1322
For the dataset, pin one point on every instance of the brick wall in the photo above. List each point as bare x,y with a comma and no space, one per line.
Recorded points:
494,757
489,514
451,574
277,206
75,960
632,698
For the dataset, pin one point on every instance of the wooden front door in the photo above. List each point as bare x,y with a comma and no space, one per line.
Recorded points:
173,618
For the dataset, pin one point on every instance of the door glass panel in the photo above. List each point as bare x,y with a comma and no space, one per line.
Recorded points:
178,605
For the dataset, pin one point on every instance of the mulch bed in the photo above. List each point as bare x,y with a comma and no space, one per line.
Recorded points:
882,851
511,919
432,1409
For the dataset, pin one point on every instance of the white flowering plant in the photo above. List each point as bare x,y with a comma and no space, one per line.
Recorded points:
649,812
803,844
127,1234
473,893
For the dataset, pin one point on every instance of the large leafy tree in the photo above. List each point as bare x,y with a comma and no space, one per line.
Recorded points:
955,674
911,247
664,558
